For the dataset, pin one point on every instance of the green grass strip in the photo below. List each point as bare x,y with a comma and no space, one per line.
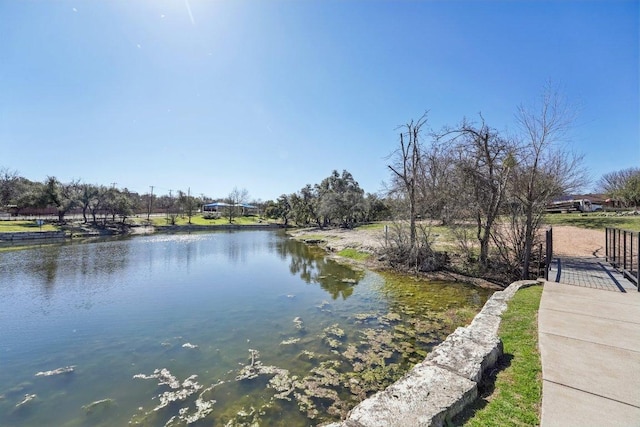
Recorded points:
199,220
372,226
24,226
354,254
514,398
595,220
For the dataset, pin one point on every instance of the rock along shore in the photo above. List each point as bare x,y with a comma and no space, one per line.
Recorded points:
31,235
441,386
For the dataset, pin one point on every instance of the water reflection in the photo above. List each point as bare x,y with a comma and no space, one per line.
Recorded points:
91,263
311,265
46,267
53,264
120,308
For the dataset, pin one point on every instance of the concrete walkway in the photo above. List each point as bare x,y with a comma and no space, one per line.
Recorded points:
589,339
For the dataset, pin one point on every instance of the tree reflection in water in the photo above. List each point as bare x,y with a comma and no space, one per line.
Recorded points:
56,263
311,265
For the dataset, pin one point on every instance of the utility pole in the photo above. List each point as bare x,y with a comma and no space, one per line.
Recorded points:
150,203
189,205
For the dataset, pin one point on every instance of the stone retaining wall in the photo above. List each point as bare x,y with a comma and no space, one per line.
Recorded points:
32,235
441,386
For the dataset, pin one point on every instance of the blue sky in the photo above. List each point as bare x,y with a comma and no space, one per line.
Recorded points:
272,95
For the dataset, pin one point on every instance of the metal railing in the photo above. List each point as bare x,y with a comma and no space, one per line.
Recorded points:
622,249
548,252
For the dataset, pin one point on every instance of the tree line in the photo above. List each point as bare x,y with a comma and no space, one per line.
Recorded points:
337,200
622,186
490,187
97,203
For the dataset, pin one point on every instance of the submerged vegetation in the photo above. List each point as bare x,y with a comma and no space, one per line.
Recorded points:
178,391
330,371
347,367
346,334
344,363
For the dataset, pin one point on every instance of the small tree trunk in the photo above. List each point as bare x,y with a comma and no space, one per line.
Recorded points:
528,245
412,224
484,251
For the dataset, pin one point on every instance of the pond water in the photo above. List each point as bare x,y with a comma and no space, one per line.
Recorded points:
276,333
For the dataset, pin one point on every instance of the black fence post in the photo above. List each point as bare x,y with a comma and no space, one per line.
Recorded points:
612,249
549,253
626,245
631,260
617,256
624,249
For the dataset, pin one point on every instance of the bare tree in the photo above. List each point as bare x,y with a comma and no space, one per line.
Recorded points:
8,186
612,182
406,168
173,208
623,185
188,203
236,198
437,173
545,168
484,162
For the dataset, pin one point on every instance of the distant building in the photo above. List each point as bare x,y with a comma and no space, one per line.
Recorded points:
220,207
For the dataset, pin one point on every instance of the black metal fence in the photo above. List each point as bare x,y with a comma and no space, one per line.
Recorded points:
622,249
548,252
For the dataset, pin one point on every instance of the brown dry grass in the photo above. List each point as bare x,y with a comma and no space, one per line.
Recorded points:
567,240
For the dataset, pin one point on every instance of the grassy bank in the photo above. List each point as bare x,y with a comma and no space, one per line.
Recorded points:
200,220
24,226
595,220
354,254
158,221
512,397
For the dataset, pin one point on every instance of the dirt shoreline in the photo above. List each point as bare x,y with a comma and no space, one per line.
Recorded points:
568,241
369,241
